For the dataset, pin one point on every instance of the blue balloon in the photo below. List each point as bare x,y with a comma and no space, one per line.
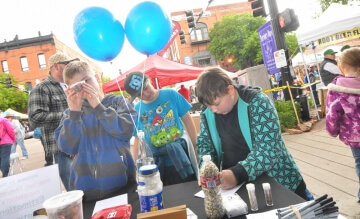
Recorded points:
98,34
148,28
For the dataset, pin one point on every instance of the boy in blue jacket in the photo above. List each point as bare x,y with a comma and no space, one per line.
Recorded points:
96,129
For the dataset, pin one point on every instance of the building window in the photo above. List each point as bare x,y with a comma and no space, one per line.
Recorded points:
5,67
24,63
42,62
204,62
199,34
204,59
28,86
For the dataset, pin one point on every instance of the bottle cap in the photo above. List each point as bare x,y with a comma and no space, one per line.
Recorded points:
266,186
13,156
140,134
148,169
250,186
206,157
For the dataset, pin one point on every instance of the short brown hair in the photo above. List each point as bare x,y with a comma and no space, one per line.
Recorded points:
74,68
212,83
351,57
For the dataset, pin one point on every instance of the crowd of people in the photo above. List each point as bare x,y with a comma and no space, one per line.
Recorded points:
88,133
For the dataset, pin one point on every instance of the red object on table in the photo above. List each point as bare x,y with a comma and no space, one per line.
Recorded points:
117,212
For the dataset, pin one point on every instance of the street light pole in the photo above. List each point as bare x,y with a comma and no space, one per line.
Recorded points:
280,44
200,14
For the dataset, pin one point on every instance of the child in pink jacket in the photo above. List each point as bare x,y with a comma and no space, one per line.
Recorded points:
343,104
7,138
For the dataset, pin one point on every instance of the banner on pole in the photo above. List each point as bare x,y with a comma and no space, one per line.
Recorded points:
268,47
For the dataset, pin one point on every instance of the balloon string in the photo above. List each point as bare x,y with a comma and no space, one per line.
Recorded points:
141,91
127,105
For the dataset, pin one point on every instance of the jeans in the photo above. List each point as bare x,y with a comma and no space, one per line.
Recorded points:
64,162
5,150
356,154
22,146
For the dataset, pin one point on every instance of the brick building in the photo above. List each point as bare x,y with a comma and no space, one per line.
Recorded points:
195,52
27,59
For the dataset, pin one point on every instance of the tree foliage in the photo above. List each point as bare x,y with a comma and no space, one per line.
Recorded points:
13,97
236,36
292,43
105,79
324,4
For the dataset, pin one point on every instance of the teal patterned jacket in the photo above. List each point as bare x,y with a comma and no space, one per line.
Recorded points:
261,129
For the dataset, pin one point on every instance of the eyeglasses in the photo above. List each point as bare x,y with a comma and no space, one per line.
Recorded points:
67,62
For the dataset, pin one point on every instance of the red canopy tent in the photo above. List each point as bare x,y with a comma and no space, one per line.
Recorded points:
162,72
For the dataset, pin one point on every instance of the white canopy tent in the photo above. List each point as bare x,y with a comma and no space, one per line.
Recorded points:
16,114
335,19
298,60
187,84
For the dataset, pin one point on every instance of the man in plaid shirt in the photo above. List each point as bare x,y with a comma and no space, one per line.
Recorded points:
46,105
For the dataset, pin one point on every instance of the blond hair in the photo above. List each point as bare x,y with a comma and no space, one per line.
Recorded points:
74,68
351,57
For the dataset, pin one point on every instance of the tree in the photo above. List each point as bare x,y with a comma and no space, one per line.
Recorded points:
123,93
12,97
324,4
292,43
236,36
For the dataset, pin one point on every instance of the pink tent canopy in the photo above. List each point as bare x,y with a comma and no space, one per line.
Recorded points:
162,72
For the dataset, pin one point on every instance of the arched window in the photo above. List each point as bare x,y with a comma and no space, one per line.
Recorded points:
199,34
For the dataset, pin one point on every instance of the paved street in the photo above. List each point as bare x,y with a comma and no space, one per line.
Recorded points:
325,162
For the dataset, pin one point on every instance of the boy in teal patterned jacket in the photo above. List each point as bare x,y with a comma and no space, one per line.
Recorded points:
96,129
241,123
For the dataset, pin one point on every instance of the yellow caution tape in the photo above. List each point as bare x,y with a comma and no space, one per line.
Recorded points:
285,87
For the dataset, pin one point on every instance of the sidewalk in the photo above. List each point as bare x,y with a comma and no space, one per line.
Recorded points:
326,164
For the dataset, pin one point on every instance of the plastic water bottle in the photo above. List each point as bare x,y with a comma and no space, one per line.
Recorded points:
150,189
210,183
144,155
16,166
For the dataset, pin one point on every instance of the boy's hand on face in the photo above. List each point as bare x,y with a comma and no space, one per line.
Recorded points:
74,99
91,95
228,179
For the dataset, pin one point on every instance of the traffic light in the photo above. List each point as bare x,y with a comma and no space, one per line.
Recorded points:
258,8
8,82
182,37
288,21
190,18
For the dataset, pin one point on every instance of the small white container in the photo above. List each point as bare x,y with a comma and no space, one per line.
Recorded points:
252,197
65,205
268,195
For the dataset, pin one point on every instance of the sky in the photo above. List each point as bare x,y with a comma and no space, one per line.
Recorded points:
26,18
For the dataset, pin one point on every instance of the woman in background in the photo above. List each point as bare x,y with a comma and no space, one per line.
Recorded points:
7,139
